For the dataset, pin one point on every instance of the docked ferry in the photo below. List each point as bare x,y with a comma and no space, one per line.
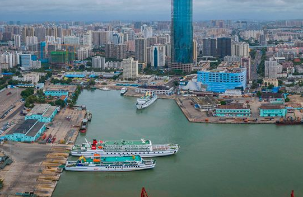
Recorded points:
109,164
143,148
123,91
147,100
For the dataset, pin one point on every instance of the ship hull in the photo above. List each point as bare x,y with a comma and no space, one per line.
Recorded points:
147,104
116,154
109,168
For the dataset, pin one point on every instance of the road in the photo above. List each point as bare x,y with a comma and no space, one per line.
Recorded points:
254,65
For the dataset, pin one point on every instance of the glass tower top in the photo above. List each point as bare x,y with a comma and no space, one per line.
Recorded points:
182,31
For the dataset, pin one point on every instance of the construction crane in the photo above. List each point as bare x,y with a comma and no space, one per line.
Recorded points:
143,193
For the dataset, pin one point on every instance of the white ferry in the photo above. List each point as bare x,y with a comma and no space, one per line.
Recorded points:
123,91
143,148
109,164
147,100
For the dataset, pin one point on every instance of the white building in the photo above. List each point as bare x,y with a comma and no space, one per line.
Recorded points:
17,41
130,68
87,39
147,31
98,62
71,40
240,49
83,53
6,60
31,40
272,69
157,56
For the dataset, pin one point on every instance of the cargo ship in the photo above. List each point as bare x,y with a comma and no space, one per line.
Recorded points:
143,148
110,164
147,100
289,121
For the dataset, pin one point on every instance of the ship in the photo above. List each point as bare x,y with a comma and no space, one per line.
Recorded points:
105,89
289,121
143,148
123,91
83,126
147,100
110,164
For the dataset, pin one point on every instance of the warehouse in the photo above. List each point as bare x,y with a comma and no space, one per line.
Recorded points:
26,131
43,113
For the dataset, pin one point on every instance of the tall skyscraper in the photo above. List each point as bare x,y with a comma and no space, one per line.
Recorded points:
141,50
182,31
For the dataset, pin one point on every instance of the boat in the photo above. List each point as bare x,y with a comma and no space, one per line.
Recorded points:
147,100
83,127
123,91
143,148
289,121
89,116
105,89
110,164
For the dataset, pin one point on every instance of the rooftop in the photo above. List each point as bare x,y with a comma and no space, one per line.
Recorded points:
155,87
272,95
27,127
272,107
232,106
39,109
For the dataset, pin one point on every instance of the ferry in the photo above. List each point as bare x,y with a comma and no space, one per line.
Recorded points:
143,148
123,91
147,100
110,164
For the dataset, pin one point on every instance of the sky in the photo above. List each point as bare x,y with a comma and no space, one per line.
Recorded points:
146,10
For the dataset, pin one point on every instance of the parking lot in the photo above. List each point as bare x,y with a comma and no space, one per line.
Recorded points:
8,100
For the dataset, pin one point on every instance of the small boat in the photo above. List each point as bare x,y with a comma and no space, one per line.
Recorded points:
110,164
105,89
143,148
83,127
147,100
89,116
123,91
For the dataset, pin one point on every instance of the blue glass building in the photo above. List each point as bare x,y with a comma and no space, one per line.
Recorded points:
182,31
220,81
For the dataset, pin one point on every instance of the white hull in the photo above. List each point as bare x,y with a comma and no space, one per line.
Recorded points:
89,153
109,168
147,104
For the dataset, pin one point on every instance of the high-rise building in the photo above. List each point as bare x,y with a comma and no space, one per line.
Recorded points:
17,41
240,49
71,40
223,47
130,68
182,31
272,69
141,51
210,47
87,39
157,56
195,51
98,62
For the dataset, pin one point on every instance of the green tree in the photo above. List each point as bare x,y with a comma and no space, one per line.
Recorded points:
223,102
287,100
60,103
259,94
27,92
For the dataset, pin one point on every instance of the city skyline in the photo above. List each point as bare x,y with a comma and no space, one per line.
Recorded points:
105,10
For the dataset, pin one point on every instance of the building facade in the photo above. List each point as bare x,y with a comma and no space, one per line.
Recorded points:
157,56
220,81
273,111
232,110
130,68
182,31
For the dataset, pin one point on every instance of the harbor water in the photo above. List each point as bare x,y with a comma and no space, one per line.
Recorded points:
214,160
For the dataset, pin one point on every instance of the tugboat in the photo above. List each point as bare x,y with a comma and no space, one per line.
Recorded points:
83,127
123,91
110,164
147,100
143,148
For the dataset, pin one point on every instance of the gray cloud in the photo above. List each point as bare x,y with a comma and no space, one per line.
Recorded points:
38,10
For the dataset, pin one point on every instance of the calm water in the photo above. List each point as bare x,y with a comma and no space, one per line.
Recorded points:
214,160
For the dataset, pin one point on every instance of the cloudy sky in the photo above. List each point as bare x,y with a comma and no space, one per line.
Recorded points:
105,10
